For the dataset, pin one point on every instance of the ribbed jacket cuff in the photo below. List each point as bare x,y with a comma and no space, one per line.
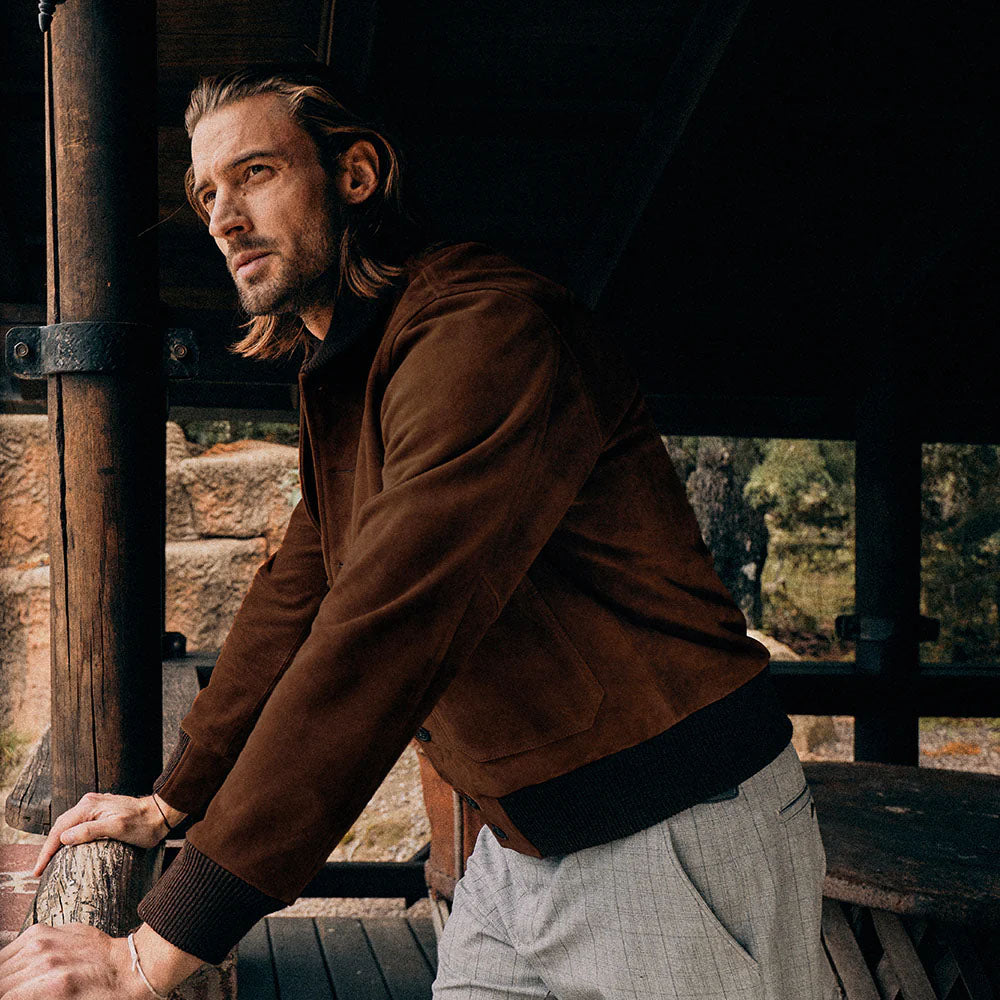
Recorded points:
203,909
191,777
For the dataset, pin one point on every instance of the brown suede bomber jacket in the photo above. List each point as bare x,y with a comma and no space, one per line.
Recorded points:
493,553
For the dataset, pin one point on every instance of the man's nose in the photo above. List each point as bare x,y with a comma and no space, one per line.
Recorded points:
228,216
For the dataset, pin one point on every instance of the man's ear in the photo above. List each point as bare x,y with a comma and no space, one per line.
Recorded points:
358,174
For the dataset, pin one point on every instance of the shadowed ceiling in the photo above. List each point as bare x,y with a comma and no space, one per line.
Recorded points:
756,195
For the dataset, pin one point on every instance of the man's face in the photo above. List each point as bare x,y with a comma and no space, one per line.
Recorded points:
271,206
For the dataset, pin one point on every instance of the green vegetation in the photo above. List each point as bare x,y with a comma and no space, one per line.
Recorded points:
206,433
960,552
806,489
12,745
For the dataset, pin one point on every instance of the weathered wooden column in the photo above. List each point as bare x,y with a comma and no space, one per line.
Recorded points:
106,428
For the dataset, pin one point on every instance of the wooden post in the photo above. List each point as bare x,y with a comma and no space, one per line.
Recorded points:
887,563
106,430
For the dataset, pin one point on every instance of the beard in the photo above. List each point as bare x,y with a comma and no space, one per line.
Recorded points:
300,274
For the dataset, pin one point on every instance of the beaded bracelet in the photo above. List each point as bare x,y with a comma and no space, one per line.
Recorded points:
136,967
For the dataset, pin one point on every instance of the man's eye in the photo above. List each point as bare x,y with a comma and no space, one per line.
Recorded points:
207,198
255,168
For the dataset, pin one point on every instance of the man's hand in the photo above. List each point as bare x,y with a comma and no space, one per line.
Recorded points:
73,962
132,820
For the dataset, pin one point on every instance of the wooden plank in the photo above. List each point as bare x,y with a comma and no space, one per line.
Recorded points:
887,980
893,843
180,688
422,929
349,957
970,966
298,959
905,961
350,39
406,971
845,955
943,974
382,879
255,966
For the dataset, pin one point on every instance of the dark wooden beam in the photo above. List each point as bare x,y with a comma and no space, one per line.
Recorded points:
347,38
704,45
887,566
231,388
105,429
835,688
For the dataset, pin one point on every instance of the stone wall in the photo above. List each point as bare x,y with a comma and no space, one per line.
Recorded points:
226,513
24,574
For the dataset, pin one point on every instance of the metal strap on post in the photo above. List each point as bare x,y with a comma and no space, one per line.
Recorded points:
873,628
35,352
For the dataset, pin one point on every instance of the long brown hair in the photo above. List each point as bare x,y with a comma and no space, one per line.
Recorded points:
377,234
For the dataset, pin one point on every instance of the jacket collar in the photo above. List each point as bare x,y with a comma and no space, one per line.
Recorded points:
358,323
355,323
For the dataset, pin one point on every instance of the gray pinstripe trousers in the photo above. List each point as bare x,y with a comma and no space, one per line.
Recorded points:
721,901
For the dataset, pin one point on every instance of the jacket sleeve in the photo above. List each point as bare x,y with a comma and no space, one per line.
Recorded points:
488,433
270,626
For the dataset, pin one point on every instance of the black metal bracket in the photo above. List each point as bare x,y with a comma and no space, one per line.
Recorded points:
35,352
174,646
872,628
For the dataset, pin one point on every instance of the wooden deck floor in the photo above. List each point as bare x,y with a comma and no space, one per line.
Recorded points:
349,958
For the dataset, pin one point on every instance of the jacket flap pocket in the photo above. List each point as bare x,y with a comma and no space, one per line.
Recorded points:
525,685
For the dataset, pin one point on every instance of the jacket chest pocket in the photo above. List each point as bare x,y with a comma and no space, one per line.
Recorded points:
525,686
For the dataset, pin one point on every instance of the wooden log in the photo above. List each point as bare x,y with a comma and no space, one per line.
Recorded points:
100,884
29,805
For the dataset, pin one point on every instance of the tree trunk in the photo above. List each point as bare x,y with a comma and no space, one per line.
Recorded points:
733,530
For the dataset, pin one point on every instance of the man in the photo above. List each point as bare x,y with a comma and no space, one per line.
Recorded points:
494,554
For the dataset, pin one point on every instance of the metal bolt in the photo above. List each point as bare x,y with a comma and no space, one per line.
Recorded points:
179,352
21,349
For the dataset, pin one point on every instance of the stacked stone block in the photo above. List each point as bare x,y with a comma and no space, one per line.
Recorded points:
226,513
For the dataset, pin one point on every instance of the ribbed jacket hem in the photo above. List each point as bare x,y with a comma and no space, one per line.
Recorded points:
203,909
705,753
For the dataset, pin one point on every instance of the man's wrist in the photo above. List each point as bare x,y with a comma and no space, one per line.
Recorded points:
128,985
163,964
171,817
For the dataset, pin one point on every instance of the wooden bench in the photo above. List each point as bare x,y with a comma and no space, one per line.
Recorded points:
912,907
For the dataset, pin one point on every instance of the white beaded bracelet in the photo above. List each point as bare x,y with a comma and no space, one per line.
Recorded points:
136,967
